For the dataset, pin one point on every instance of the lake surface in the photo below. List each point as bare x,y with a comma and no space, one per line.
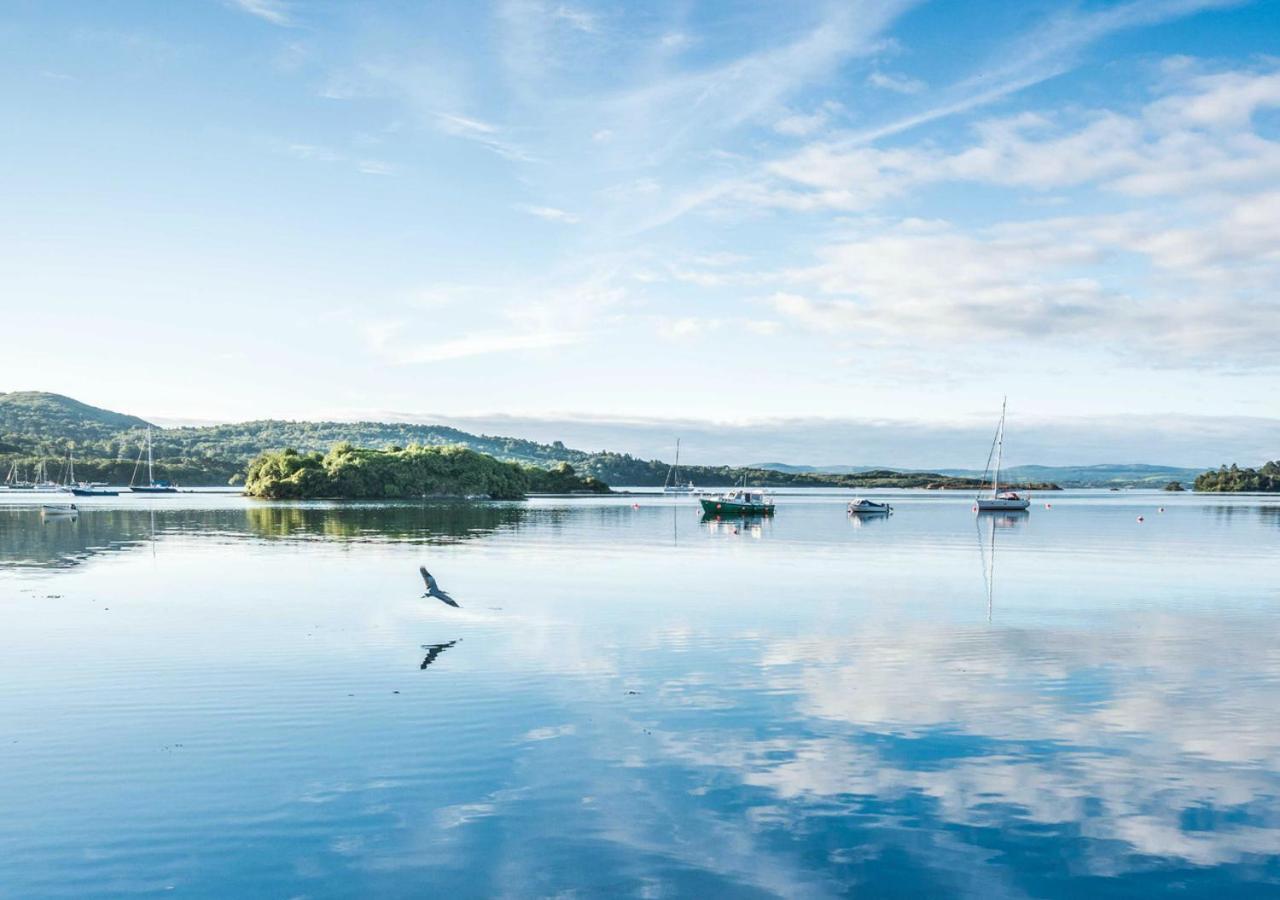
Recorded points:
211,697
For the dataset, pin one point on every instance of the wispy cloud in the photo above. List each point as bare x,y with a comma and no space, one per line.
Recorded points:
277,12
479,344
483,133
550,213
900,84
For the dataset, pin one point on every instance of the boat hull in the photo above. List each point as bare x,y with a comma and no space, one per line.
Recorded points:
154,490
714,507
998,505
92,492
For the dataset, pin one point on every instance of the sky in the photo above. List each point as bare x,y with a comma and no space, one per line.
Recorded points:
667,214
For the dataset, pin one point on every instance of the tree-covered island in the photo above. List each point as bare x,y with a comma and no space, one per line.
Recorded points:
348,472
1233,479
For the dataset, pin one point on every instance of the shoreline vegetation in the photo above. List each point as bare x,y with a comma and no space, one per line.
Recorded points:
1233,479
38,427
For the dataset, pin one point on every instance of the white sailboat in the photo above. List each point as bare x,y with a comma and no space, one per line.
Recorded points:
42,479
1000,501
673,485
152,486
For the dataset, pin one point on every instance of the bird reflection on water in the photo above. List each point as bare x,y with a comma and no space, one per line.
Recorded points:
434,650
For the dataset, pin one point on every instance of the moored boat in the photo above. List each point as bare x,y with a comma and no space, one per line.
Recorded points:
152,486
43,483
738,502
998,500
673,484
93,490
69,509
864,507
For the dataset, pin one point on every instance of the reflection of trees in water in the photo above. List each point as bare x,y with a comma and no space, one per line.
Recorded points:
1270,515
425,523
29,541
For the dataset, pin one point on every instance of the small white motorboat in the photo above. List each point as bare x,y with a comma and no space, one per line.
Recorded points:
864,507
67,510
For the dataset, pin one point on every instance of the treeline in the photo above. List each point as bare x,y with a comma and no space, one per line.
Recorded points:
352,473
1230,479
621,469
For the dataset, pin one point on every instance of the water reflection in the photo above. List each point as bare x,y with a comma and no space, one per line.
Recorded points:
28,539
738,526
434,651
688,729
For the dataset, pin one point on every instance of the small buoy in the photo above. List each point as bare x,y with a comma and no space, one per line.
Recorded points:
1161,509
735,531
1141,519
1048,506
975,509
635,505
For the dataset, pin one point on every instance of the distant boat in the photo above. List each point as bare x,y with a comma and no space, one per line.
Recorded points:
42,479
14,481
865,507
93,490
673,485
152,486
738,502
68,510
1000,501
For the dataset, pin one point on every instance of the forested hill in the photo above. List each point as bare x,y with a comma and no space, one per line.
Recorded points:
34,413
38,426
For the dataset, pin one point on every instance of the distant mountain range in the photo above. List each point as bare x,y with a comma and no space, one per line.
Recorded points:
1117,475
37,426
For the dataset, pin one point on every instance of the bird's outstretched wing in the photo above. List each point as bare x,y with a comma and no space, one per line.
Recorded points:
431,582
445,598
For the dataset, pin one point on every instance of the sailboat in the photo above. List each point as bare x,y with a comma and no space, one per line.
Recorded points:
152,486
85,488
14,482
42,479
1000,501
673,485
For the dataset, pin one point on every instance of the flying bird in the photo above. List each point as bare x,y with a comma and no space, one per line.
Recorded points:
433,589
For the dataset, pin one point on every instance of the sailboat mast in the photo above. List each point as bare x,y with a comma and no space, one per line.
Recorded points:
995,478
151,477
677,472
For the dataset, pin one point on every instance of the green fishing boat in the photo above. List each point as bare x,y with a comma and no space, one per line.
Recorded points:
738,502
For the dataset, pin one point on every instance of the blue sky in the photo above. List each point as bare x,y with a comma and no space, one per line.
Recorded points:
660,211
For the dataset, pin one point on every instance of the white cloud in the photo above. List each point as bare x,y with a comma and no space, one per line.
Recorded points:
1199,295
483,133
376,167
576,18
277,12
899,84
799,125
1195,136
550,213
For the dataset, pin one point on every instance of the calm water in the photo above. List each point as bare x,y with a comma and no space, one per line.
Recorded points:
215,698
